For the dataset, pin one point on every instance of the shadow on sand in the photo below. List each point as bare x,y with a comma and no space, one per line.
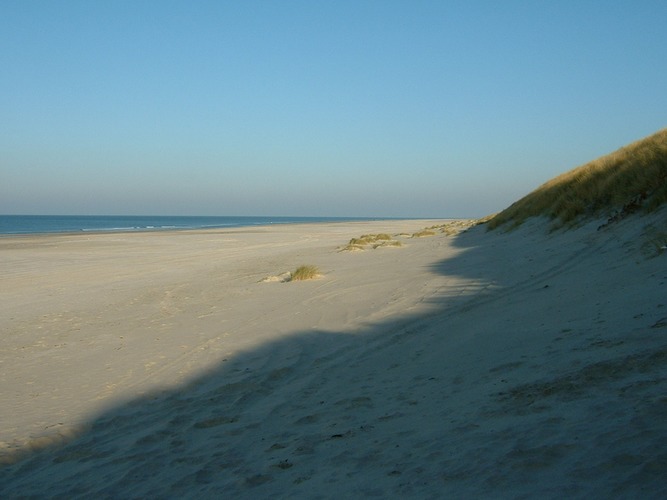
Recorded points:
479,397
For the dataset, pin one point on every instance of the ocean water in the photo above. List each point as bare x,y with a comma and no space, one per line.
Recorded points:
35,224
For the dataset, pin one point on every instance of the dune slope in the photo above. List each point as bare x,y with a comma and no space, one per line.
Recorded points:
630,179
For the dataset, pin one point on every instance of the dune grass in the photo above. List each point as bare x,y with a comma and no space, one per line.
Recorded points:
390,243
451,228
384,240
630,179
353,247
371,240
368,239
303,273
423,233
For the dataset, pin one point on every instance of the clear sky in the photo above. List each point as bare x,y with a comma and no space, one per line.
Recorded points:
326,108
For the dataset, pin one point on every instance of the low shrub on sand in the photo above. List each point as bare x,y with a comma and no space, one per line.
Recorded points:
305,273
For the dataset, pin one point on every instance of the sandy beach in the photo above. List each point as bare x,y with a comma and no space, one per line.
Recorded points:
457,365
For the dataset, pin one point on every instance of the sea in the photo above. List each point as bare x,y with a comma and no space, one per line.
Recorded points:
38,224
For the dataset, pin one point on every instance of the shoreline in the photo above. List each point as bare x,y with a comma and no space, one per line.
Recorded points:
263,221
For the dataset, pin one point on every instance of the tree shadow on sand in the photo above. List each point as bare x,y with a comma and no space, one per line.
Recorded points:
476,397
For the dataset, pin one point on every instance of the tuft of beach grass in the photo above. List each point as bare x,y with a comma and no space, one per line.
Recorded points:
370,240
306,272
423,233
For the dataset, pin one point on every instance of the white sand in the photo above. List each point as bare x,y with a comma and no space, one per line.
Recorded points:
481,365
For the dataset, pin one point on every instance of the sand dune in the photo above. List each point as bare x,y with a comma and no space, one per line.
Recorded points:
482,364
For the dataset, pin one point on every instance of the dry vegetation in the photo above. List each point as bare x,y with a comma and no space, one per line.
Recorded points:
384,240
371,241
303,273
634,178
450,228
423,233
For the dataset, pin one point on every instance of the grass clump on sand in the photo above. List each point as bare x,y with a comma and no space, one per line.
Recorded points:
385,240
353,247
368,239
371,240
423,233
303,273
630,179
452,228
391,243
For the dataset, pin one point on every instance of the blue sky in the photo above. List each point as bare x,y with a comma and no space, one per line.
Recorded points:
325,108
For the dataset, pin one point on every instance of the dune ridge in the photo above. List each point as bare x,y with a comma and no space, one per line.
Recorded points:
630,179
